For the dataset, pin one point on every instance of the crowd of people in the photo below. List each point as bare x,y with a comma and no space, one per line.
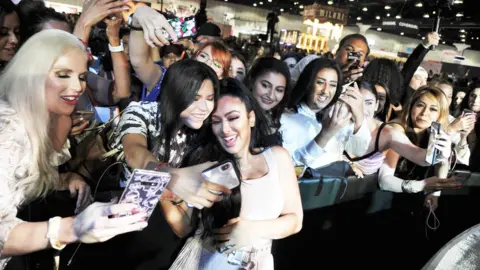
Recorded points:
87,99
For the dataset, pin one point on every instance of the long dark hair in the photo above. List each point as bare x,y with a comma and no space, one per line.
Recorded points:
6,7
210,150
304,87
385,72
265,65
179,88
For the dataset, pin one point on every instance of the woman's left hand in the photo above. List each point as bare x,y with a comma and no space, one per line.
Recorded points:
80,189
444,144
237,233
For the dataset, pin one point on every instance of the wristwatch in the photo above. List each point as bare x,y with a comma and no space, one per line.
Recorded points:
130,24
116,48
52,233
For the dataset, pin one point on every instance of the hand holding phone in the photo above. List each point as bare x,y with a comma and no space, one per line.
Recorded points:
224,174
432,151
184,27
144,189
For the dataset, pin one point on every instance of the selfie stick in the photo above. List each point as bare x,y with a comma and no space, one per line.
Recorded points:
436,25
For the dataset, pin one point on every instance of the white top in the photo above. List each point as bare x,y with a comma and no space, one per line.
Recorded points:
15,162
262,199
299,130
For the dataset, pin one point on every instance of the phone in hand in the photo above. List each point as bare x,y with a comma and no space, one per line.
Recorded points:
354,57
144,188
467,112
184,27
86,115
432,152
224,173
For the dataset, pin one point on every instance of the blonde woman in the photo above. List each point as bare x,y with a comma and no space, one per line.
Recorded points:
35,91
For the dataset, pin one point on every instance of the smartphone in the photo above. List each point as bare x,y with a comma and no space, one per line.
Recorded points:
354,57
224,174
432,152
467,112
86,115
144,188
184,27
461,176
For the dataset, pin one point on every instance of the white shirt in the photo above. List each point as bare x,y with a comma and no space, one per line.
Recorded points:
299,130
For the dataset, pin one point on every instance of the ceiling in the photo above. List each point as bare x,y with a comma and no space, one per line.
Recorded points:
459,21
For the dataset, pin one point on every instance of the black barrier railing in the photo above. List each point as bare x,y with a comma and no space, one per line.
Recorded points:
328,187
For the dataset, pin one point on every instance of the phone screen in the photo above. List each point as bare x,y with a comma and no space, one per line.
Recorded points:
144,188
86,115
432,152
184,27
223,174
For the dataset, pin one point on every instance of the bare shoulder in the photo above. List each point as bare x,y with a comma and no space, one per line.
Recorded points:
281,154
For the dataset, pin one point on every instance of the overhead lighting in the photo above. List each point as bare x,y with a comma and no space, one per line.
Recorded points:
456,2
477,38
301,6
359,18
462,30
419,4
426,15
443,42
269,0
261,3
330,2
365,9
460,14
281,10
423,38
295,3
378,17
398,17
462,36
402,33
379,29
388,14
254,4
352,0
434,12
388,7
463,40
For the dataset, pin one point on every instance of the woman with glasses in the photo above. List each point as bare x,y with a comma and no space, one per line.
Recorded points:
217,56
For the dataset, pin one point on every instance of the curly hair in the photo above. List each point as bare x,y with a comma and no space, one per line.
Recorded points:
385,71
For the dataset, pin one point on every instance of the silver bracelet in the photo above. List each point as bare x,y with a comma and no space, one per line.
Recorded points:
407,186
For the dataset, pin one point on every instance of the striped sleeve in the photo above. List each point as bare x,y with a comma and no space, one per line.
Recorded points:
138,118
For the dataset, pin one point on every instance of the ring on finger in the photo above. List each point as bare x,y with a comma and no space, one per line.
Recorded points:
114,18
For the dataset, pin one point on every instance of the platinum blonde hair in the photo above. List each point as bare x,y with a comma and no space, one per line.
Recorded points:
22,87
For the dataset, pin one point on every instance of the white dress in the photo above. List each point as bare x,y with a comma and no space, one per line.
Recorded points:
15,161
262,199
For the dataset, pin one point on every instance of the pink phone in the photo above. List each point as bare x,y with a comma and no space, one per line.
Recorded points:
144,188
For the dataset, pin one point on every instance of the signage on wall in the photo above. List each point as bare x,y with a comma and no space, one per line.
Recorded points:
400,25
289,37
325,13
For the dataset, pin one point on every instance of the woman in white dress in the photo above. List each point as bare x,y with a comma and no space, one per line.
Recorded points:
237,232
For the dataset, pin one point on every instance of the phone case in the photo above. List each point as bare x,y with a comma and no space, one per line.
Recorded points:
184,27
223,174
145,188
432,152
